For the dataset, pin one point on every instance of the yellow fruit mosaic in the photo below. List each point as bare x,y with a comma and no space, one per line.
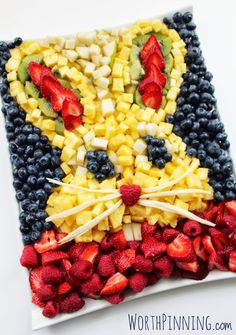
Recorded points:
98,65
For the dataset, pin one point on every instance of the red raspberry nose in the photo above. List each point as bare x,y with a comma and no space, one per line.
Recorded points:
130,194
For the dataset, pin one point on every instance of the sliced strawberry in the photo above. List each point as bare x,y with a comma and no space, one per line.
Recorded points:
66,265
220,213
155,73
60,236
181,249
152,99
201,273
71,114
232,261
212,213
36,72
148,85
44,82
50,257
114,284
231,207
154,58
35,279
147,229
35,300
75,251
64,288
207,243
118,240
216,261
219,240
124,259
151,247
90,252
169,234
47,242
199,249
189,266
152,45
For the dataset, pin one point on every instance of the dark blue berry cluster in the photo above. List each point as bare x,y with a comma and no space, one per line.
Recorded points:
33,159
100,165
157,151
196,119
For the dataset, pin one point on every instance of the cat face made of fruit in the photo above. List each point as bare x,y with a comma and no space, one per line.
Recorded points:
102,98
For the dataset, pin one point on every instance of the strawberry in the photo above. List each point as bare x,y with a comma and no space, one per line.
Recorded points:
152,99
50,257
154,58
35,300
64,288
57,93
124,259
189,266
92,286
212,213
75,251
152,45
201,273
220,213
231,207
207,243
149,84
181,249
45,78
36,72
71,114
29,258
169,234
130,194
47,242
114,284
215,261
35,279
147,229
232,261
65,265
134,245
192,228
156,75
151,247
199,249
60,235
152,279
219,239
46,292
143,264
105,245
164,266
115,298
90,252
106,267
233,239
118,240
228,224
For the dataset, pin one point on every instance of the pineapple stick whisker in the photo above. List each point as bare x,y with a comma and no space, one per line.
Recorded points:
175,192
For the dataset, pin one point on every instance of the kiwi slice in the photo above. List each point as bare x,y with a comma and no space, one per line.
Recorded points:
33,58
23,73
165,41
167,87
141,40
46,108
31,90
163,102
77,93
59,126
134,54
168,63
136,70
138,98
65,83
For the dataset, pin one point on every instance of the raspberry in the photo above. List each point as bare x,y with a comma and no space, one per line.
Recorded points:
93,285
201,273
216,261
135,245
164,266
71,303
143,264
46,292
169,234
118,240
29,257
147,229
105,244
151,247
75,251
233,239
192,228
106,267
137,282
51,309
124,259
158,235
115,298
152,279
51,274
81,270
130,194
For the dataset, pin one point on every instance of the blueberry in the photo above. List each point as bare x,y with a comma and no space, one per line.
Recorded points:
91,155
55,161
18,121
208,98
22,217
167,21
179,116
227,169
20,140
201,155
167,157
44,161
17,184
10,136
18,41
183,33
38,153
209,162
203,122
192,88
41,181
225,145
30,160
3,46
160,163
177,17
47,225
100,176
105,169
112,174
213,149
157,142
40,145
59,173
218,196
31,195
163,151
92,166
20,195
9,126
48,173
208,76
154,152
191,151
26,188
101,156
25,204
55,151
229,195
193,135
44,139
35,235
33,207
18,162
31,169
191,26
187,17
37,226
194,52
40,194
27,239
193,98
180,101
24,229
186,124
230,186
32,181
33,138
22,173
48,188
170,118
41,215
196,126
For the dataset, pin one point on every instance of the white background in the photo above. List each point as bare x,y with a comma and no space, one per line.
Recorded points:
27,18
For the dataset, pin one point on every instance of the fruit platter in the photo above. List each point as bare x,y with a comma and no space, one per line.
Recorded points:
120,163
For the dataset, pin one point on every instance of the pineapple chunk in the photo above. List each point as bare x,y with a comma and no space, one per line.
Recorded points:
116,217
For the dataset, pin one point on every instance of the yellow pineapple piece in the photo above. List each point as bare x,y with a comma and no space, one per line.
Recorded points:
83,217
116,217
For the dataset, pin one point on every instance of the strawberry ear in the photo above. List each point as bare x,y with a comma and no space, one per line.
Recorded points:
36,72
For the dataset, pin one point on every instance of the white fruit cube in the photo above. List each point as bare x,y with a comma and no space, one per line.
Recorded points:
102,82
96,59
118,168
140,159
105,60
103,71
94,49
113,158
109,48
81,170
101,93
107,106
89,68
89,136
81,155
99,143
142,129
86,38
128,232
136,228
140,146
70,43
83,52
151,129
71,55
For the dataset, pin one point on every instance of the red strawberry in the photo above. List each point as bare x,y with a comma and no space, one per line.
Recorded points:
44,84
169,234
35,279
57,92
150,84
189,266
137,282
151,247
75,251
220,213
91,286
233,239
115,298
105,245
46,292
51,309
81,270
215,261
50,257
90,252
47,242
35,300
152,279
181,249
232,261
51,275
199,249
65,265
228,224
143,264
29,258
152,99
164,266
156,75
71,303
64,288
207,243
134,245
36,72
219,239
212,214
106,267
158,235
60,235
154,58
201,273
118,240
192,228
152,45
231,207
124,259
147,229
114,284
71,114
130,194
